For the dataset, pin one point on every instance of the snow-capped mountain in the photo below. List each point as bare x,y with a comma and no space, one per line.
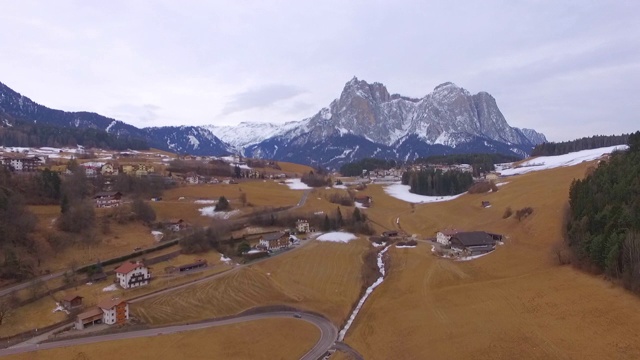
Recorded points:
367,121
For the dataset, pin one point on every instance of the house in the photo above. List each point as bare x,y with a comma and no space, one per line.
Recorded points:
302,226
114,311
443,237
198,264
132,274
176,225
108,169
128,169
473,242
71,301
364,200
275,241
90,171
192,178
108,199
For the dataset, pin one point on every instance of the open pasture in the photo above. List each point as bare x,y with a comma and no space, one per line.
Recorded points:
516,302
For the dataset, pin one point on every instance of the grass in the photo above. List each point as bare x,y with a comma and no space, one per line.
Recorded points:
277,339
323,277
514,303
39,313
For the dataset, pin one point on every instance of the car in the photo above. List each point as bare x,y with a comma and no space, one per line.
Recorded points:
297,316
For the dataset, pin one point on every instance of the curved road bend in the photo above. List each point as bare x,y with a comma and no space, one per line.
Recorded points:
26,284
328,333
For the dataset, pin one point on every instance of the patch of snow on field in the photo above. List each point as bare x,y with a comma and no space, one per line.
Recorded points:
570,159
360,206
368,292
502,183
296,184
205,202
337,236
210,212
224,259
112,287
375,244
467,258
157,235
405,246
60,308
401,192
344,187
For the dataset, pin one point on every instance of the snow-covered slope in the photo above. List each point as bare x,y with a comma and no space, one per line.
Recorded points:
550,162
249,133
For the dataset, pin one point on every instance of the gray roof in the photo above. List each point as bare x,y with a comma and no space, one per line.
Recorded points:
473,238
273,236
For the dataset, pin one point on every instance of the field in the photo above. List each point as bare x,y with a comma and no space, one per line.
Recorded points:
322,277
264,339
514,303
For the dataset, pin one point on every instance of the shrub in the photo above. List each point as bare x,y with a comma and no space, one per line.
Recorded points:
507,212
340,199
223,204
523,213
143,211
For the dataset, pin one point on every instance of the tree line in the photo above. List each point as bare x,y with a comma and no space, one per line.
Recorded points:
369,164
434,182
585,143
26,134
603,228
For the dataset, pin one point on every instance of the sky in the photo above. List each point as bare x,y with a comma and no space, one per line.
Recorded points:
565,68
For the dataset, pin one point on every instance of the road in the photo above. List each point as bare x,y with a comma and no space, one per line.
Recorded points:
328,333
26,284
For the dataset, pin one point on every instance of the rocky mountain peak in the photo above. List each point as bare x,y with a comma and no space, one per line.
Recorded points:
375,92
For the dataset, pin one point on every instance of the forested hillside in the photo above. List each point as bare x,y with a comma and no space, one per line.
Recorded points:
594,142
355,168
480,162
604,223
25,134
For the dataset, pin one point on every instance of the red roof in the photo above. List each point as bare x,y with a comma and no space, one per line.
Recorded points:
127,267
108,304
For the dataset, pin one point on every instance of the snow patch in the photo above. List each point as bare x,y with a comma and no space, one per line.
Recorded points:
405,246
401,192
210,212
205,202
551,162
225,259
337,236
296,184
112,287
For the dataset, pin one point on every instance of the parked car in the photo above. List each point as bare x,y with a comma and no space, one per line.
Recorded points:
297,316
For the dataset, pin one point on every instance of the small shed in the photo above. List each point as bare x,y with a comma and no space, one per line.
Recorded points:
88,318
192,266
71,301
486,204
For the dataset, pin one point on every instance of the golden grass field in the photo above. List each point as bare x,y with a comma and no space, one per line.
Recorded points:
320,276
515,303
264,339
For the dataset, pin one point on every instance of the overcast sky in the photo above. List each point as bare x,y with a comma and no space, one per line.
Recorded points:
566,68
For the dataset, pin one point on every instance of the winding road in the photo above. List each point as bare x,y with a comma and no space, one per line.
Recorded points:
328,333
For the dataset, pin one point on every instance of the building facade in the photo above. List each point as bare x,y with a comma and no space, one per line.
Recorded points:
132,274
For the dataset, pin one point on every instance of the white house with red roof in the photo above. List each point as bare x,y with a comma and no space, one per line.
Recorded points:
132,274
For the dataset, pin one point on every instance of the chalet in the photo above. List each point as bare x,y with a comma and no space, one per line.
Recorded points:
443,237
132,274
302,226
275,241
71,301
473,242
90,171
108,199
114,311
192,178
108,169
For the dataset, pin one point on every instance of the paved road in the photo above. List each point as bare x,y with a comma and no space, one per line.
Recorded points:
328,333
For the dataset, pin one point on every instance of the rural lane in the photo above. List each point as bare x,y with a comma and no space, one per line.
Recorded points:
328,333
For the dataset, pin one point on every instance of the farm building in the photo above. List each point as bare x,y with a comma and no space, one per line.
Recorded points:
132,274
71,301
364,200
198,264
275,241
108,199
390,233
473,243
176,224
302,226
88,318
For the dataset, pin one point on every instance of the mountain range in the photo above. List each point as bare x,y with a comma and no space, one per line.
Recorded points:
365,121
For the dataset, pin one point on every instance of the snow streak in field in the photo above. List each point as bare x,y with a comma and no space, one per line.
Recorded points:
368,292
